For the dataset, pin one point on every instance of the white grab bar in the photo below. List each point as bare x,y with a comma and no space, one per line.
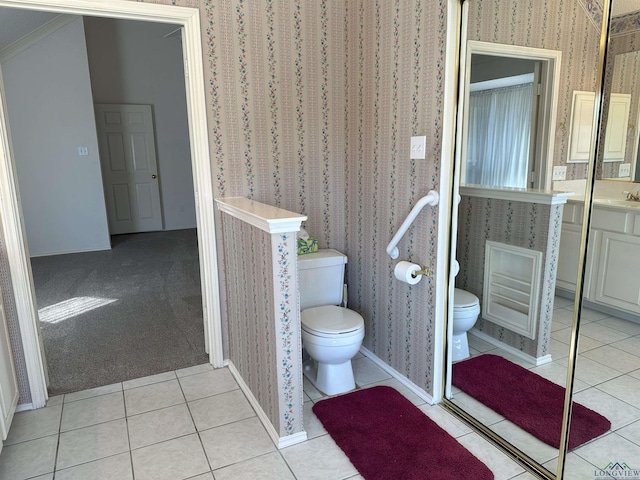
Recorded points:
431,198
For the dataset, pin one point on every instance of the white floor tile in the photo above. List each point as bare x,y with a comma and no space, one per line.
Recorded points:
602,333
153,397
266,467
185,372
612,448
575,468
479,411
311,424
454,427
159,425
93,392
34,424
175,459
619,324
150,380
536,449
616,411
206,384
501,465
366,372
92,443
92,411
623,388
236,442
220,409
307,464
28,459
631,432
590,372
110,468
629,345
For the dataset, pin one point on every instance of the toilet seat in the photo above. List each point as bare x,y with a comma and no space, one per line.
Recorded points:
330,320
463,300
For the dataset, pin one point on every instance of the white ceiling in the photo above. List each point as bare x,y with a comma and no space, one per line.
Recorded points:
16,23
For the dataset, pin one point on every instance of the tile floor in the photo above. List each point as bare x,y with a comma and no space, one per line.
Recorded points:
193,424
607,380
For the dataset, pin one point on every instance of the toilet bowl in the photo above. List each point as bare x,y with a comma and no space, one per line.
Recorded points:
466,308
331,335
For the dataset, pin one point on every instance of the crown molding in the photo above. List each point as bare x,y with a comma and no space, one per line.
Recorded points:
35,36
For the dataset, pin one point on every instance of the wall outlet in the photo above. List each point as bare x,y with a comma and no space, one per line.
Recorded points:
83,151
418,147
560,173
624,170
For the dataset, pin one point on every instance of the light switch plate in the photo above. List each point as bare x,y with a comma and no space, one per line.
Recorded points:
624,170
418,147
83,151
560,173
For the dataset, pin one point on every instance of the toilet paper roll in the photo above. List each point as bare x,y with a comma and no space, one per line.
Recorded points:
404,272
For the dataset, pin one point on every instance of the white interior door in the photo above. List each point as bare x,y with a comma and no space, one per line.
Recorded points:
129,167
8,380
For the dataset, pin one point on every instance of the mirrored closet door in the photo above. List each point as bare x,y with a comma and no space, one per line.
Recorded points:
530,87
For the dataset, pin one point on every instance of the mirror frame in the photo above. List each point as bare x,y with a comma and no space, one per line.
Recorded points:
550,76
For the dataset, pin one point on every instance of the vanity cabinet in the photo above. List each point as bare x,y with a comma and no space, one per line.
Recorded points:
613,256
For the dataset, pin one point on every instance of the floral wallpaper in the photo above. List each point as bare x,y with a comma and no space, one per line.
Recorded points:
263,313
394,59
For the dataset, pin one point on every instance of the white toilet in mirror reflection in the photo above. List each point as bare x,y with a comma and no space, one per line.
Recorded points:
331,334
466,308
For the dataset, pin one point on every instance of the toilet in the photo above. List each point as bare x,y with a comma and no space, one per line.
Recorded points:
331,334
466,308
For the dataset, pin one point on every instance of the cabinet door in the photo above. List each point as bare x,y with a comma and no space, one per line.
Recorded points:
615,142
617,284
568,257
8,381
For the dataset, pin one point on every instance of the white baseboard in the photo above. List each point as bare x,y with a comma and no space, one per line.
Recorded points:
536,361
281,442
97,248
398,376
24,407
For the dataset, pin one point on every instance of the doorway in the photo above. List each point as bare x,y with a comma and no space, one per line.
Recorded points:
22,283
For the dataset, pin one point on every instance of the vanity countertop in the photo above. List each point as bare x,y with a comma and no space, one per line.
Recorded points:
609,203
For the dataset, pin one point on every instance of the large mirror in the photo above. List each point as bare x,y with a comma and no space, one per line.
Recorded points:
607,371
621,103
513,315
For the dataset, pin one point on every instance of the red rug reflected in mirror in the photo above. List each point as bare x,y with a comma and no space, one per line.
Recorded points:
386,437
530,401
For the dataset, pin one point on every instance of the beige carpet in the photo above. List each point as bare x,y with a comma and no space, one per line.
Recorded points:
111,316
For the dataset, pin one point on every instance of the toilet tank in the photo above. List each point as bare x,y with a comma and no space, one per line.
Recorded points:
320,278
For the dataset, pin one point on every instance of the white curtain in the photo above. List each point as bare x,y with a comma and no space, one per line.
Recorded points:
498,138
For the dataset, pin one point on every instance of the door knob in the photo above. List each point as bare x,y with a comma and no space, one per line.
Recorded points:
154,176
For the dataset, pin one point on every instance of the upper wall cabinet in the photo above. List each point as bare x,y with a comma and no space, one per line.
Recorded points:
615,142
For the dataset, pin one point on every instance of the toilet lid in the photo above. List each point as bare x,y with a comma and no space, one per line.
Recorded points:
331,319
464,299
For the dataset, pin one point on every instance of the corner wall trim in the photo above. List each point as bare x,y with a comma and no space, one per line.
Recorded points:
398,376
281,442
536,361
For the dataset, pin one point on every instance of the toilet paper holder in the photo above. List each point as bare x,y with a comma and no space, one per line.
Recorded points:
424,271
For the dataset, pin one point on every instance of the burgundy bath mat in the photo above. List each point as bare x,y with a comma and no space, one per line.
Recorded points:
530,401
386,437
